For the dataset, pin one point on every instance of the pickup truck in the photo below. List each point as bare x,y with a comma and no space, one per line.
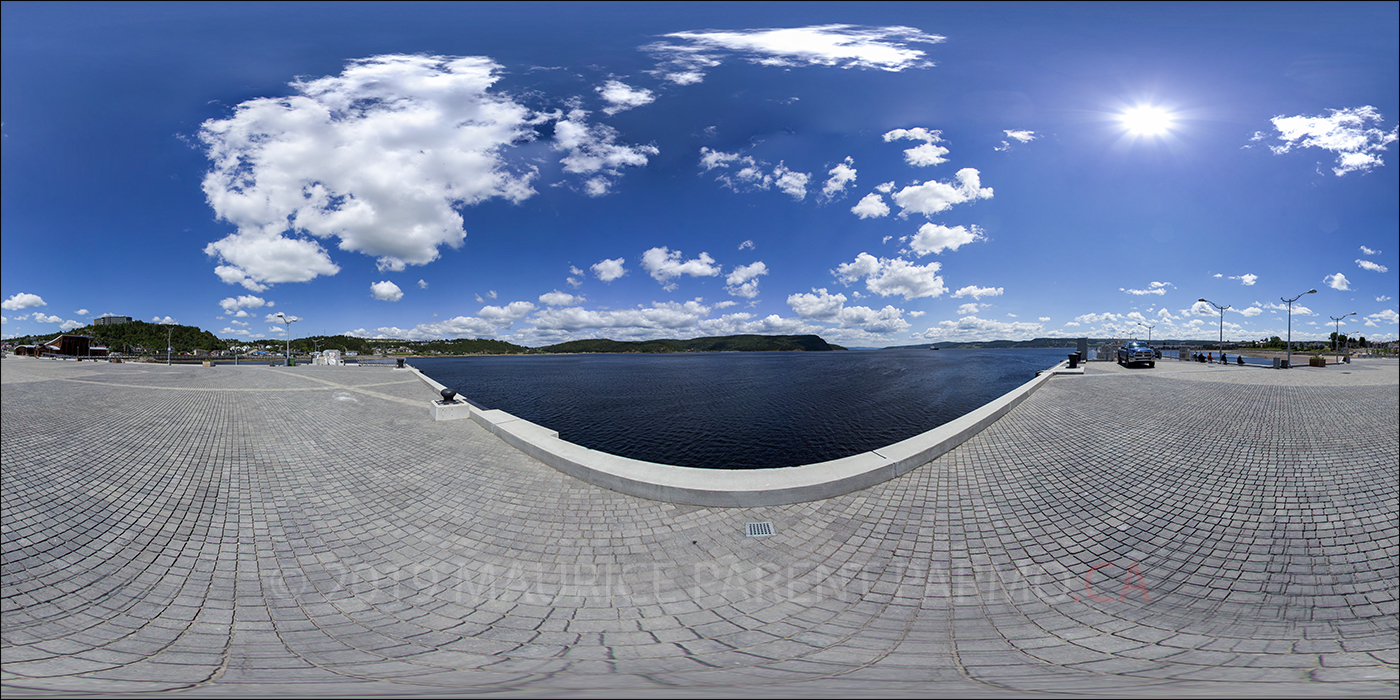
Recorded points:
1135,351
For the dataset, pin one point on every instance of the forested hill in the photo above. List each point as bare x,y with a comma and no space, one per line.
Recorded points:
727,343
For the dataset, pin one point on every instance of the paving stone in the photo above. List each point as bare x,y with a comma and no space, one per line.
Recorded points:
311,531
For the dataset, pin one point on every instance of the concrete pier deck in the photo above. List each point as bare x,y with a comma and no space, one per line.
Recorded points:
1184,530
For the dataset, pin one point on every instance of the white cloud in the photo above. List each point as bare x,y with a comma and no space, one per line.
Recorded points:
969,308
506,315
1382,297
970,328
593,150
1368,251
422,284
935,238
1097,318
817,306
81,312
791,182
41,317
1158,288
1022,136
924,154
227,331
1387,316
830,308
1201,308
711,159
164,321
491,294
932,197
1342,131
608,270
743,281
661,316
977,292
379,157
1368,265
1247,280
386,291
841,45
746,245
23,300
621,96
664,265
233,305
889,277
842,175
1337,281
871,206
558,298
1249,311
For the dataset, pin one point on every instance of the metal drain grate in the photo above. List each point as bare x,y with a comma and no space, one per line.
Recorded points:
758,530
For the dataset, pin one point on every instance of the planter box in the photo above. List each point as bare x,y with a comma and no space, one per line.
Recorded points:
1317,362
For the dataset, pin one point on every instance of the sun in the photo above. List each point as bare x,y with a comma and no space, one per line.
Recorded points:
1147,120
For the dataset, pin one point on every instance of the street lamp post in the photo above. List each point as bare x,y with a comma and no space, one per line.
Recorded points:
168,330
289,320
1290,322
1222,320
1149,332
1336,331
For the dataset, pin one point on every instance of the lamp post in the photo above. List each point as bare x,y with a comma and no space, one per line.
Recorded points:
1222,320
168,330
1149,332
289,320
1290,322
1336,331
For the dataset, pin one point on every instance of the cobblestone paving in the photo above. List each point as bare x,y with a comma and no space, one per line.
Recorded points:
252,530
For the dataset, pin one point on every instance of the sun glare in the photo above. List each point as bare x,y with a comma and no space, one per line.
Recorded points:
1147,120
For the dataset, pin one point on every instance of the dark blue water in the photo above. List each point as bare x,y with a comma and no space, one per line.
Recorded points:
741,410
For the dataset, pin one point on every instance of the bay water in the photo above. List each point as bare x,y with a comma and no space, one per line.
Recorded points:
741,410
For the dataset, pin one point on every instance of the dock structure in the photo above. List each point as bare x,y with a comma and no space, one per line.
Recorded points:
1183,530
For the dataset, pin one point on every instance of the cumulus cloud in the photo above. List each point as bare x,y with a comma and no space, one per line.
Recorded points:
888,277
932,197
927,153
41,317
506,315
1158,288
1247,280
386,291
746,245
620,96
558,298
934,238
1015,135
23,300
660,316
422,284
871,206
1249,311
743,281
1343,132
165,321
233,305
593,151
1368,251
1368,265
1387,316
841,177
1337,281
977,292
972,328
824,307
81,312
608,270
378,158
685,57
665,265
749,174
969,308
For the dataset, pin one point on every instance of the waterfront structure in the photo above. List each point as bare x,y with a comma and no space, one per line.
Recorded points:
311,531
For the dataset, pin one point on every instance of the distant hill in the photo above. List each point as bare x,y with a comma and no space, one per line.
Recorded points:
727,343
1044,343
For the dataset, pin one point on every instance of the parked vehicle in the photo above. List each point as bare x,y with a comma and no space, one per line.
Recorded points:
1136,351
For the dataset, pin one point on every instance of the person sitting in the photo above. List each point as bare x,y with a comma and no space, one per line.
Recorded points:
1223,359
1239,360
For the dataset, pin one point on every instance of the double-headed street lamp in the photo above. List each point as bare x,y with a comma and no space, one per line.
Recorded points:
289,320
1222,320
1149,332
1290,322
1336,331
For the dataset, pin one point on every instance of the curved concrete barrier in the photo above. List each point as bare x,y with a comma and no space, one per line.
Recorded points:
746,487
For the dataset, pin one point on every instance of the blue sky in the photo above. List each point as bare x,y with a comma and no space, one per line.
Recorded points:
877,174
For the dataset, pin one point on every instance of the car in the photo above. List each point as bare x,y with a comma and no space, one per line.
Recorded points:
1135,351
